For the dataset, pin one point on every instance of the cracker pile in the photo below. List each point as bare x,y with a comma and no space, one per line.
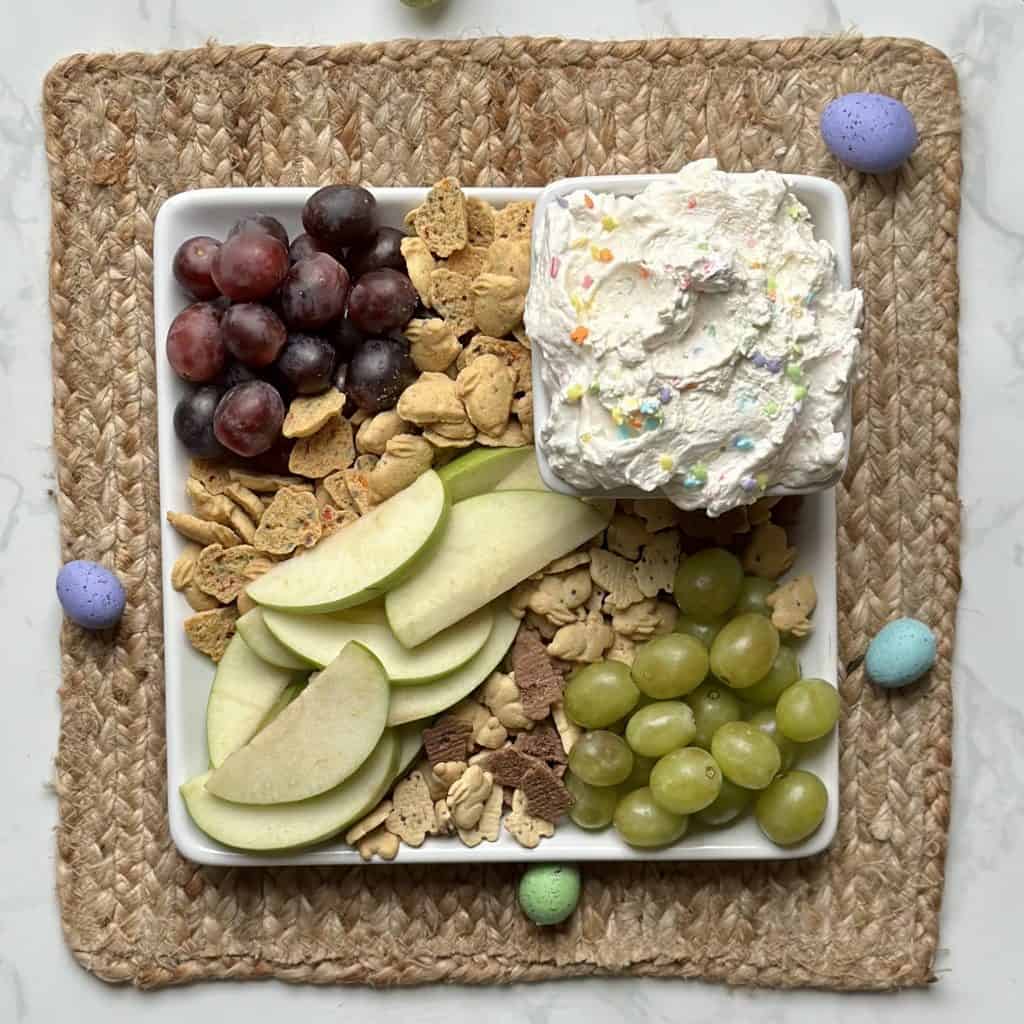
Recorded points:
497,759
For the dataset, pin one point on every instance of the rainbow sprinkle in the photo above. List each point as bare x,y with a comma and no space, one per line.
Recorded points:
794,373
748,483
574,392
579,335
587,201
667,463
609,223
696,478
771,409
556,263
799,393
744,444
762,481
580,243
691,203
587,281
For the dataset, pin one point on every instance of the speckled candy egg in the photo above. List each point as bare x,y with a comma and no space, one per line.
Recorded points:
868,131
548,893
900,653
91,595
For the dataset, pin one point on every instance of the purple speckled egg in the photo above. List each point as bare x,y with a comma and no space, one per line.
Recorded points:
91,595
868,131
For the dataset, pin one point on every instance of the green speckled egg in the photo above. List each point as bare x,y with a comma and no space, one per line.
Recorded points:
548,893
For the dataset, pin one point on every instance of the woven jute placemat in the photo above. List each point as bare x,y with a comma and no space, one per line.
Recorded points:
125,132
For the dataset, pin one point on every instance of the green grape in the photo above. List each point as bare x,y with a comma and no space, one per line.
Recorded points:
670,666
640,775
599,694
744,651
745,755
661,727
785,670
642,822
792,807
601,758
807,710
686,780
708,583
705,632
753,594
594,806
713,704
765,721
731,802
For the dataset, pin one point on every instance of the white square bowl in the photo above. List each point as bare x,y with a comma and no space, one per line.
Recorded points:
831,218
188,674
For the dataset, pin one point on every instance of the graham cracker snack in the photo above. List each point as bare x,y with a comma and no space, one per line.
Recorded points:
441,220
328,450
211,631
291,521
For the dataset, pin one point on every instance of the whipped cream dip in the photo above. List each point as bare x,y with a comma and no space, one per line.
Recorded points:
695,340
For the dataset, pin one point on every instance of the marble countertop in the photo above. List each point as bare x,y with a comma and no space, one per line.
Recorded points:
980,963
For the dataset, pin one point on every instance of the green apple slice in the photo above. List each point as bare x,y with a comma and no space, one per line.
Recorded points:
361,562
291,691
410,743
316,742
525,477
411,703
490,543
319,638
287,826
265,645
481,470
245,690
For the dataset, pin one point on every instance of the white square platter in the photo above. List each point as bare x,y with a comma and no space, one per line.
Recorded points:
188,674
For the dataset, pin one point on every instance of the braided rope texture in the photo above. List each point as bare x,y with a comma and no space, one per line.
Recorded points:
124,132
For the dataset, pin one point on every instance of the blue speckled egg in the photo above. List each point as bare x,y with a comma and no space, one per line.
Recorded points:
548,893
900,653
868,131
90,594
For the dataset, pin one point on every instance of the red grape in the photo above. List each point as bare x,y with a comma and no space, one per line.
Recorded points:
264,223
249,417
384,250
253,333
306,363
195,343
235,373
191,266
381,301
249,266
338,382
378,373
275,459
345,337
340,215
303,246
314,292
193,422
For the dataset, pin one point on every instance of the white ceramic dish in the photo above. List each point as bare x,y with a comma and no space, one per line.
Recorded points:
188,674
827,205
